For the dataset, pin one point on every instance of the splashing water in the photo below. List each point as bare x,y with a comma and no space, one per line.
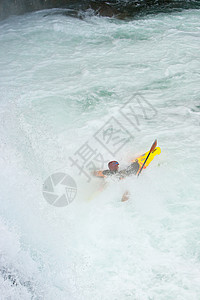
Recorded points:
61,79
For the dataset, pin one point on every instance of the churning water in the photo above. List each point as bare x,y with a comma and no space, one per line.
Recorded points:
61,80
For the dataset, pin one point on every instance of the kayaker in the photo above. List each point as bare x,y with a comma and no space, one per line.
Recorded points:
135,168
114,169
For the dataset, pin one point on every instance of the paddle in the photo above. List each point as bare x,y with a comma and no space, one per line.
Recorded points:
126,194
151,150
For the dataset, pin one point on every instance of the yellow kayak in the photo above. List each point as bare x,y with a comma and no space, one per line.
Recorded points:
140,159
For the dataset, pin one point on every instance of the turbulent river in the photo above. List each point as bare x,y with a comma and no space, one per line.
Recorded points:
62,81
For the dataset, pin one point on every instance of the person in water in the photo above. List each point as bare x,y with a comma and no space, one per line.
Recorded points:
114,169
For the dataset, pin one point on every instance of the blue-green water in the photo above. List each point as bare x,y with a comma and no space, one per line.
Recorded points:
61,80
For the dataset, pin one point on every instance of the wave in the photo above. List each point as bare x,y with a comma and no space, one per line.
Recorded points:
15,266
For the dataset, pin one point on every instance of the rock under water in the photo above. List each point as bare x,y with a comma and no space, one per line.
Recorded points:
112,8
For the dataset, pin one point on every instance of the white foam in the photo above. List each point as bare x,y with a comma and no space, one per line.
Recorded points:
61,80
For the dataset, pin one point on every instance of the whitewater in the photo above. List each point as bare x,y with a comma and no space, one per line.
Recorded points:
61,80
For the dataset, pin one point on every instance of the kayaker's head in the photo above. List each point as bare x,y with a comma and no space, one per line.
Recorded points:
113,166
